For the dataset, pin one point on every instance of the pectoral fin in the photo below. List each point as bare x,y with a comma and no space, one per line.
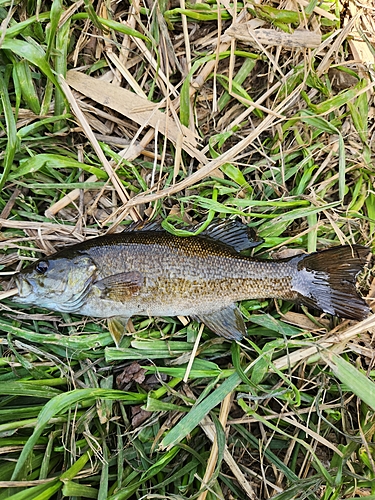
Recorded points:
117,328
227,322
120,287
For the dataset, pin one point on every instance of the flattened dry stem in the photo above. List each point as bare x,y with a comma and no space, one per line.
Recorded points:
298,39
8,293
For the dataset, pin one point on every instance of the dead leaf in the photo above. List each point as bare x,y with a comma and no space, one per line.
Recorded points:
131,373
139,416
136,108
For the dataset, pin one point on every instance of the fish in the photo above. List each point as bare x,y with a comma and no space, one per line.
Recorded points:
151,272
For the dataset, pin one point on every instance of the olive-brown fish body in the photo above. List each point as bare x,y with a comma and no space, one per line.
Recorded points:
172,276
154,273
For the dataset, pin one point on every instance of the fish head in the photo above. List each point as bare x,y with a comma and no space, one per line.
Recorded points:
56,283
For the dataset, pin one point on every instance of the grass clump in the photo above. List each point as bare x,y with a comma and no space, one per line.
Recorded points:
126,110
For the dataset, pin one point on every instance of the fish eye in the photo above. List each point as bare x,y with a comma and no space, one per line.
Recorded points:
41,267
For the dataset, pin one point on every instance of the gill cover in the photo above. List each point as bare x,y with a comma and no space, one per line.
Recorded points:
60,283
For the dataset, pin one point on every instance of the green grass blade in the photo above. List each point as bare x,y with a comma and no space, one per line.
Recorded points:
60,62
52,28
190,421
354,379
40,492
31,165
25,80
59,404
32,53
19,27
12,141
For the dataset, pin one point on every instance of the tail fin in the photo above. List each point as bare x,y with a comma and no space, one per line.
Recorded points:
327,280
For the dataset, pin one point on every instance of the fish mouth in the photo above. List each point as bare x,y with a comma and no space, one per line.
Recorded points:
24,287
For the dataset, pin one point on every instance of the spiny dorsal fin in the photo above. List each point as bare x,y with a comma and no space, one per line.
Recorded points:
233,233
230,232
147,225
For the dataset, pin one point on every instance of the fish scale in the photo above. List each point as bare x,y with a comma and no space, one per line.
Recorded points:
186,269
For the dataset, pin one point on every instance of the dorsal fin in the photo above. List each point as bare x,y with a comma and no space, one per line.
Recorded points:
233,233
147,225
230,232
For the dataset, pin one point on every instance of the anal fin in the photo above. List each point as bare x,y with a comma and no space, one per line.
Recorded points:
117,328
226,322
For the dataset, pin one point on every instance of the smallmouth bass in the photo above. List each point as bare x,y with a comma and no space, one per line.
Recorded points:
153,273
